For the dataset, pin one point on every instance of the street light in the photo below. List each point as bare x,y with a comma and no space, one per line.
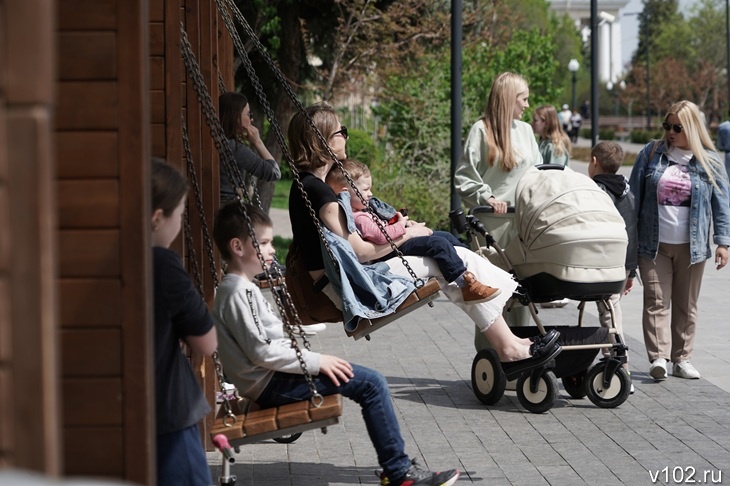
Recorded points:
573,66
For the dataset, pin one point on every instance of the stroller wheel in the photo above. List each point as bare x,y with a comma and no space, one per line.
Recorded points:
537,391
575,385
613,395
487,378
288,439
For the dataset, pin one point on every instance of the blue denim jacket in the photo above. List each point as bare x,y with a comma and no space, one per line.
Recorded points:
707,203
367,291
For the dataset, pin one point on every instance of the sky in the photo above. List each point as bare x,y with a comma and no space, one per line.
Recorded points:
630,25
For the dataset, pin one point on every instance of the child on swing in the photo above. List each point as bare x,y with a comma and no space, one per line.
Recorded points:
261,362
439,246
180,315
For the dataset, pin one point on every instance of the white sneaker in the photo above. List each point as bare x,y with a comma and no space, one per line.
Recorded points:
684,369
313,329
658,369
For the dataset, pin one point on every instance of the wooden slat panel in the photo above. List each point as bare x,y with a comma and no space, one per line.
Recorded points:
91,352
6,330
157,39
88,203
91,302
31,58
92,401
87,55
157,72
83,106
135,193
87,154
157,10
7,421
93,253
94,451
5,233
158,140
157,101
87,14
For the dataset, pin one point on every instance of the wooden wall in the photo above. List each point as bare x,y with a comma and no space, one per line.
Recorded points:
89,89
102,151
29,399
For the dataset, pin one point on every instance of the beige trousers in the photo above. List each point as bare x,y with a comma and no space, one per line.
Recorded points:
671,290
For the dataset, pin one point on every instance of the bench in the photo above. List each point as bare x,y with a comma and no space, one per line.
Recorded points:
424,294
254,424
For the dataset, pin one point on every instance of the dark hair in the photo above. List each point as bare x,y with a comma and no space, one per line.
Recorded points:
169,187
306,148
609,155
230,223
230,107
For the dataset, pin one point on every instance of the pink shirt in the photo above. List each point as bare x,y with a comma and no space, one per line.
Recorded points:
371,232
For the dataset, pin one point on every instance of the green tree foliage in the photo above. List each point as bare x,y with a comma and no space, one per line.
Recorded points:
687,58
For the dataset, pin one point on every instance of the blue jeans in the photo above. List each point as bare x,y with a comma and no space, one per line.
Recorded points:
439,246
181,460
369,389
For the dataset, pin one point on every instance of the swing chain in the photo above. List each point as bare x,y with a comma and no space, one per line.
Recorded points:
287,303
277,130
193,177
206,105
230,418
192,257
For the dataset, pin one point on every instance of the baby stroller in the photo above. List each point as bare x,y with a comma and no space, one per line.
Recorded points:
571,243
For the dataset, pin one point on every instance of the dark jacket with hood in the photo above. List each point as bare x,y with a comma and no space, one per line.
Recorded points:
617,187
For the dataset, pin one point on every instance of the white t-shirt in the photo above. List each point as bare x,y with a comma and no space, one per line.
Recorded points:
674,196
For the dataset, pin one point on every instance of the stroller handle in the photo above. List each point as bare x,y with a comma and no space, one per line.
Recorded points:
489,209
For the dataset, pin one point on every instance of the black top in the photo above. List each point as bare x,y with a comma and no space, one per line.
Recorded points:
617,188
179,312
303,228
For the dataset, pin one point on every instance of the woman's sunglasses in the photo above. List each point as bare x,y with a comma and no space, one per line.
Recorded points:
342,131
668,126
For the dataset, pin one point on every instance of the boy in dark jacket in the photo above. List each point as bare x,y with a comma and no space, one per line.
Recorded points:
606,159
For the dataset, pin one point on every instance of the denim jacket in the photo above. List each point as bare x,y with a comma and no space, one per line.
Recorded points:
707,203
367,291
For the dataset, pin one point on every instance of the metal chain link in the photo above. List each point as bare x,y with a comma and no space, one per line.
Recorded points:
221,383
277,130
192,258
193,177
218,136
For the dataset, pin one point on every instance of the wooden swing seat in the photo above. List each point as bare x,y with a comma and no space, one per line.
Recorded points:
425,294
270,423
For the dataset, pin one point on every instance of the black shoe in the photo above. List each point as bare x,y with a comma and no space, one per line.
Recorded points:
540,357
547,339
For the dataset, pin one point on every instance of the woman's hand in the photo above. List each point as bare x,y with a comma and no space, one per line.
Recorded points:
500,207
721,256
336,369
251,133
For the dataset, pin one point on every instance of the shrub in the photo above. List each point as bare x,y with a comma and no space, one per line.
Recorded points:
606,134
643,136
360,146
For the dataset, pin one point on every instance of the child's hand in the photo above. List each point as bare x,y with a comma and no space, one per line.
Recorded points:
402,219
336,369
418,229
629,285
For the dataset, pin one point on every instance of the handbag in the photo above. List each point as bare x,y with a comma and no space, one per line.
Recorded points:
312,305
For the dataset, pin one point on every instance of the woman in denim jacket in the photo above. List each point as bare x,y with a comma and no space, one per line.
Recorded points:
680,186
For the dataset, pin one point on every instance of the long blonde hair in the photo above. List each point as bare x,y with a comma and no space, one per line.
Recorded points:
553,131
498,118
698,140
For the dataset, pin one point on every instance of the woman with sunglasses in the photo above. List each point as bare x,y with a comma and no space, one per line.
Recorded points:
681,188
237,123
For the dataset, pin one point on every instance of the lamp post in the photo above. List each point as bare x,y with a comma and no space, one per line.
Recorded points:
573,66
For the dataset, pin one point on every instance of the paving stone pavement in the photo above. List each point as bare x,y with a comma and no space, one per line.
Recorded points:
671,432
677,429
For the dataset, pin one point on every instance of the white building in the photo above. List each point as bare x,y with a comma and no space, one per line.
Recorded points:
610,66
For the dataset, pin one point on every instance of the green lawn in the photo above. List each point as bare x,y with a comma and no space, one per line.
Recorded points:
281,194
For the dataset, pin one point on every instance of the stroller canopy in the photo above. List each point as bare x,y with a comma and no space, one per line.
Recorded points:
568,228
